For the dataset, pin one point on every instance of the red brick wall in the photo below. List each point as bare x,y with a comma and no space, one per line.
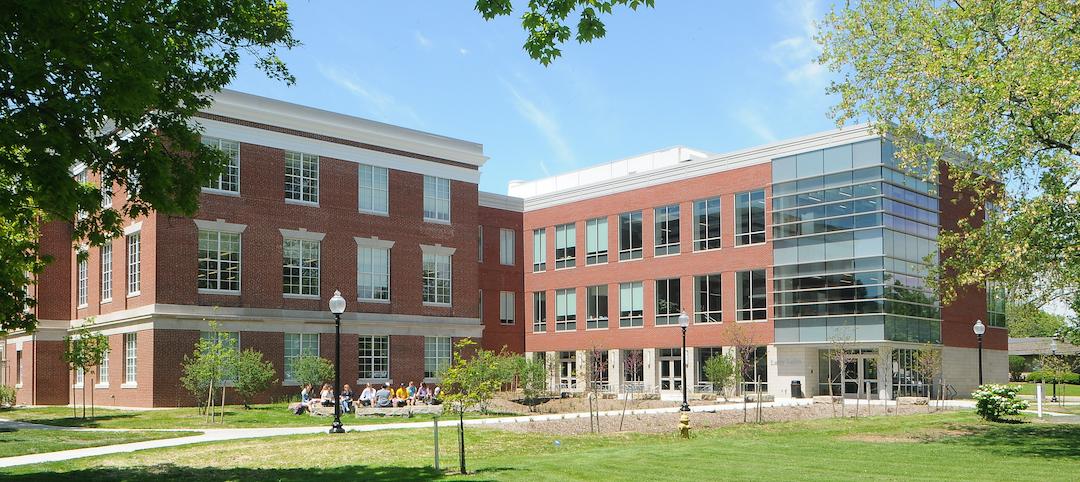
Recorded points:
54,284
496,277
45,375
727,261
406,359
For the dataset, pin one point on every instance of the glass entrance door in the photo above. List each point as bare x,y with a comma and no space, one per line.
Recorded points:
670,369
860,375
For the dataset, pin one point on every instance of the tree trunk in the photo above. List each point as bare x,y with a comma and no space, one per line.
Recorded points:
461,438
221,419
209,402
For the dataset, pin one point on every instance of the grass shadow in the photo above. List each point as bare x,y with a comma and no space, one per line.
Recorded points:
1026,439
174,472
72,422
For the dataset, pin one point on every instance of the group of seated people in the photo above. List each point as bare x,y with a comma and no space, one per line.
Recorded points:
383,397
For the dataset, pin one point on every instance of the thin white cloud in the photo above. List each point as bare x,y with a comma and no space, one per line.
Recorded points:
463,51
543,122
421,40
379,104
797,55
752,121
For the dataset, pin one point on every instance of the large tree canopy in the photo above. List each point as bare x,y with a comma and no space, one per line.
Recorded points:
995,83
112,85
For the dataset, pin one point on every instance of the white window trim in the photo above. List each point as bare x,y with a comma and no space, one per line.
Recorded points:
438,250
513,246
223,192
512,319
735,223
220,225
360,189
302,234
101,276
239,289
133,228
373,242
449,200
289,381
389,361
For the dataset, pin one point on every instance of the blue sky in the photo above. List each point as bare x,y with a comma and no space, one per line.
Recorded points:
713,75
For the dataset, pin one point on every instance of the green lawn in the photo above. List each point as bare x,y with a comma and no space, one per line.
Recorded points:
1062,389
21,442
918,447
273,415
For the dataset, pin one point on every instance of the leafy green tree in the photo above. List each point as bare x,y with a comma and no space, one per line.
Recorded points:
210,365
532,375
253,375
470,382
314,370
547,22
720,371
994,83
929,364
84,349
112,85
1017,366
1027,319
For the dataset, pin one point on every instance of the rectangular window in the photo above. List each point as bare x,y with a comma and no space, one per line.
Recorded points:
437,279
106,273
630,236
707,222
80,375
229,179
134,264
300,267
506,307
750,217
302,177
565,310
596,245
668,304
374,357
707,307
18,367
480,244
631,305
219,261
436,355
374,190
565,246
106,196
84,280
750,292
103,369
373,274
506,247
666,229
539,312
130,357
539,250
596,312
436,199
82,178
995,304
296,346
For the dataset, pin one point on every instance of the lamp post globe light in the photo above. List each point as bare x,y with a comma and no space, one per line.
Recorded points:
979,330
1053,353
684,322
337,307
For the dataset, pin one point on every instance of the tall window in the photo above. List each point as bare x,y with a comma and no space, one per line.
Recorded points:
82,178
539,250
436,355
18,368
750,291
631,305
506,247
668,304
707,307
995,304
565,310
374,190
302,177
630,236
480,243
80,375
374,357
134,264
229,179
130,357
707,222
539,312
436,278
106,272
219,261
506,307
596,245
750,217
565,246
596,312
373,273
106,195
103,368
84,280
296,346
300,267
666,229
436,199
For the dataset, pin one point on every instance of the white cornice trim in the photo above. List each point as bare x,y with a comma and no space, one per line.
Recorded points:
301,234
133,228
220,225
499,201
374,242
438,250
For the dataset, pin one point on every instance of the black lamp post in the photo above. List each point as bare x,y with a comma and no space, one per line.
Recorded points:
1053,352
979,329
337,307
684,321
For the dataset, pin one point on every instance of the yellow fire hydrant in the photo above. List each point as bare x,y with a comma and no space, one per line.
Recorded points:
684,425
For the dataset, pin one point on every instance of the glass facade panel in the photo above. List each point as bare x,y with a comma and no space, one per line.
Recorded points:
596,316
630,236
666,229
707,224
668,303
565,246
631,305
596,241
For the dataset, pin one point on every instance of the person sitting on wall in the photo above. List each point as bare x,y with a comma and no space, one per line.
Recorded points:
435,395
347,396
384,397
367,395
423,394
401,396
411,390
312,400
327,395
305,398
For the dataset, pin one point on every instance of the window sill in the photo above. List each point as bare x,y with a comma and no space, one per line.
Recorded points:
437,305
565,331
707,250
77,385
631,327
666,325
106,301
18,385
220,192
374,301
595,264
294,296
204,291
753,244
631,260
564,268
101,385
82,306
300,202
506,323
432,380
596,329
751,321
373,381
374,213
134,294
437,221
668,255
504,264
129,385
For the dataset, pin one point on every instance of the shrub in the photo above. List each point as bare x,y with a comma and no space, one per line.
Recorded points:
1049,377
1017,365
253,375
314,370
7,396
995,402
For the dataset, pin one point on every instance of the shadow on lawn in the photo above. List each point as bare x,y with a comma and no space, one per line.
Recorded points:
73,422
1026,439
174,472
